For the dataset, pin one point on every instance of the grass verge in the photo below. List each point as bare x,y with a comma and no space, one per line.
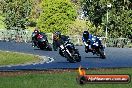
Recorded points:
57,79
13,58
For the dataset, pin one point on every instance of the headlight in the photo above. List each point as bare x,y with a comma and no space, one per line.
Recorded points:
85,44
93,39
97,44
94,43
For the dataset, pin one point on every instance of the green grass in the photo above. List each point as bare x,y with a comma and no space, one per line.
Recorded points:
60,80
8,58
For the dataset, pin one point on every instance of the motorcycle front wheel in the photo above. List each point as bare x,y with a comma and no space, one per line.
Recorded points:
102,54
86,49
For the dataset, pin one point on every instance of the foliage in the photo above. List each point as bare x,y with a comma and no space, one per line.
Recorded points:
63,15
16,13
56,15
94,10
35,12
120,20
76,27
119,16
2,25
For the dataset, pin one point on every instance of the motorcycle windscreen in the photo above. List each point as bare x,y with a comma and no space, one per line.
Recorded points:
41,39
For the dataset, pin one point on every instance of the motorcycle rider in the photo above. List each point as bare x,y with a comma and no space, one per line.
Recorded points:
59,39
56,40
89,39
35,34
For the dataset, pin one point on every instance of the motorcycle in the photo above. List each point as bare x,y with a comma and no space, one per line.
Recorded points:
42,42
95,47
68,51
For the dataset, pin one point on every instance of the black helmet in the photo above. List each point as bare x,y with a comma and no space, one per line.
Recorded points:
58,33
86,34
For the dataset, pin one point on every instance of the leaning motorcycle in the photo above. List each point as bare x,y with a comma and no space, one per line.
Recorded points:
68,51
42,43
95,47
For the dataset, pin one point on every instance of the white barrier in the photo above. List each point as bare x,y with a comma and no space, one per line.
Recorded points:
25,36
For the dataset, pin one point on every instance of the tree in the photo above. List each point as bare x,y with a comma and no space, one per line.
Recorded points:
16,13
78,26
56,15
94,11
35,12
119,19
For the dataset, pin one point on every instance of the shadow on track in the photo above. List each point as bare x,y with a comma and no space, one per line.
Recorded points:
66,62
37,49
92,57
40,50
63,62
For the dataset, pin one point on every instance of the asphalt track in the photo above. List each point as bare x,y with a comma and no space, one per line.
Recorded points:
116,57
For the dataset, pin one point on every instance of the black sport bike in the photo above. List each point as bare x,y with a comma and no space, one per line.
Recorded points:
42,42
96,47
68,51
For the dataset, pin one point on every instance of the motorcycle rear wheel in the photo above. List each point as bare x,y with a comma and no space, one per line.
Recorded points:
49,48
70,59
102,54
